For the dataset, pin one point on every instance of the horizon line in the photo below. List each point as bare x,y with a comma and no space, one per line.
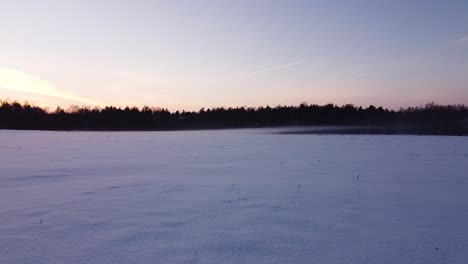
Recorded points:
74,106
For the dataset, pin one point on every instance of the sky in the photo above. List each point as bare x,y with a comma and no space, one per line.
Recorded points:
199,53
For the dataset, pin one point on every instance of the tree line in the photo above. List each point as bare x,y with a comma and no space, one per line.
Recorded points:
431,118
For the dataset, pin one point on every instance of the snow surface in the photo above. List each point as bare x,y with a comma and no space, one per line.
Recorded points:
232,196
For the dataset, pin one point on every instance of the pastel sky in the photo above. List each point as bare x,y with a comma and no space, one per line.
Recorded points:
196,53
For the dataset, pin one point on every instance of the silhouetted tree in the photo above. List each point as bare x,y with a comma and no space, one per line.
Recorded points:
431,118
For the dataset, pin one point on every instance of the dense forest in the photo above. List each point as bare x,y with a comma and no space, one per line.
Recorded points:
429,119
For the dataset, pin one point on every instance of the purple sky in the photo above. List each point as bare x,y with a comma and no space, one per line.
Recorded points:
193,54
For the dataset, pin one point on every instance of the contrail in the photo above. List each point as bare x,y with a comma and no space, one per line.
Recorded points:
276,68
21,81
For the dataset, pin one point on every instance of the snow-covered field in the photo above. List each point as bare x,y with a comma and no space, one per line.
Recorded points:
232,196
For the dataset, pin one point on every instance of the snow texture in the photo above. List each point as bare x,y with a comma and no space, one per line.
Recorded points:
232,196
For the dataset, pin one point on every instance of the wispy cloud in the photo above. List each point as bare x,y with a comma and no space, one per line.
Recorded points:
21,81
460,41
275,68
